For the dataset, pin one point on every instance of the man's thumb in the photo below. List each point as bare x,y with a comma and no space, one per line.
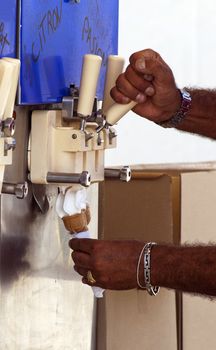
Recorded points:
140,64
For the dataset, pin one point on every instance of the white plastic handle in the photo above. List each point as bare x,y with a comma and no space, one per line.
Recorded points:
115,67
6,76
88,84
12,95
117,111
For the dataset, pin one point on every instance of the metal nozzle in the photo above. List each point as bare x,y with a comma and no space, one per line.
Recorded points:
102,126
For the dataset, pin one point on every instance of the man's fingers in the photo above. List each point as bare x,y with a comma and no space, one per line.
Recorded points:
153,67
149,62
81,271
85,281
148,77
81,259
96,284
129,90
138,81
82,244
118,96
142,56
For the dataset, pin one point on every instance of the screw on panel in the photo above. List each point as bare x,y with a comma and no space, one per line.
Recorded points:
8,145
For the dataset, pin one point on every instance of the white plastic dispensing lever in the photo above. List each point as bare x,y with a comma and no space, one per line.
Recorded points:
115,66
15,63
6,77
117,111
88,84
9,75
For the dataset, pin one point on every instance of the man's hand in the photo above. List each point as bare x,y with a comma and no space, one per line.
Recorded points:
149,81
113,264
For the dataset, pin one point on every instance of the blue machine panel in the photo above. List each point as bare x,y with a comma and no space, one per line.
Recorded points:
8,11
55,34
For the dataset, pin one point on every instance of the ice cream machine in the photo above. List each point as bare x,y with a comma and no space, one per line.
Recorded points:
60,60
69,130
71,142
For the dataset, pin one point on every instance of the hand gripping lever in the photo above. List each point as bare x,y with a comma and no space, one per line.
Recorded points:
112,111
115,65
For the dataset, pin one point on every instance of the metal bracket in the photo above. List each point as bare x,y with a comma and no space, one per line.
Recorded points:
112,135
69,104
69,109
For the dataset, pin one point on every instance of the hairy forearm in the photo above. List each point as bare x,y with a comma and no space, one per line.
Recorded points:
201,119
185,268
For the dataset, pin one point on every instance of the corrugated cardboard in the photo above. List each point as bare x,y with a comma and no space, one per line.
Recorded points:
159,204
198,224
141,209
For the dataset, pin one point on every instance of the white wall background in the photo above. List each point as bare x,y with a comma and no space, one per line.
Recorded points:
184,33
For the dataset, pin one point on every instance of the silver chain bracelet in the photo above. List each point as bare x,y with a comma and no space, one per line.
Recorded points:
146,252
152,290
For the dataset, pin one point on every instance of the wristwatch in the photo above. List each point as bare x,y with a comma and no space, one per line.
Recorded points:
176,119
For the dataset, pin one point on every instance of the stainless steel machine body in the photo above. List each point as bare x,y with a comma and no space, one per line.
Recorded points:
43,305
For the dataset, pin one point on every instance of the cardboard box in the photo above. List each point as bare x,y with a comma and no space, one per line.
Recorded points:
141,209
198,224
163,205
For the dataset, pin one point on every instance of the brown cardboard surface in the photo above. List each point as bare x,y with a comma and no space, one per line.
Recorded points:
198,224
149,208
141,209
135,321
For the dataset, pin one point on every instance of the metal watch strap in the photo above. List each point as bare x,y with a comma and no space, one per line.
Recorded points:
152,290
176,119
